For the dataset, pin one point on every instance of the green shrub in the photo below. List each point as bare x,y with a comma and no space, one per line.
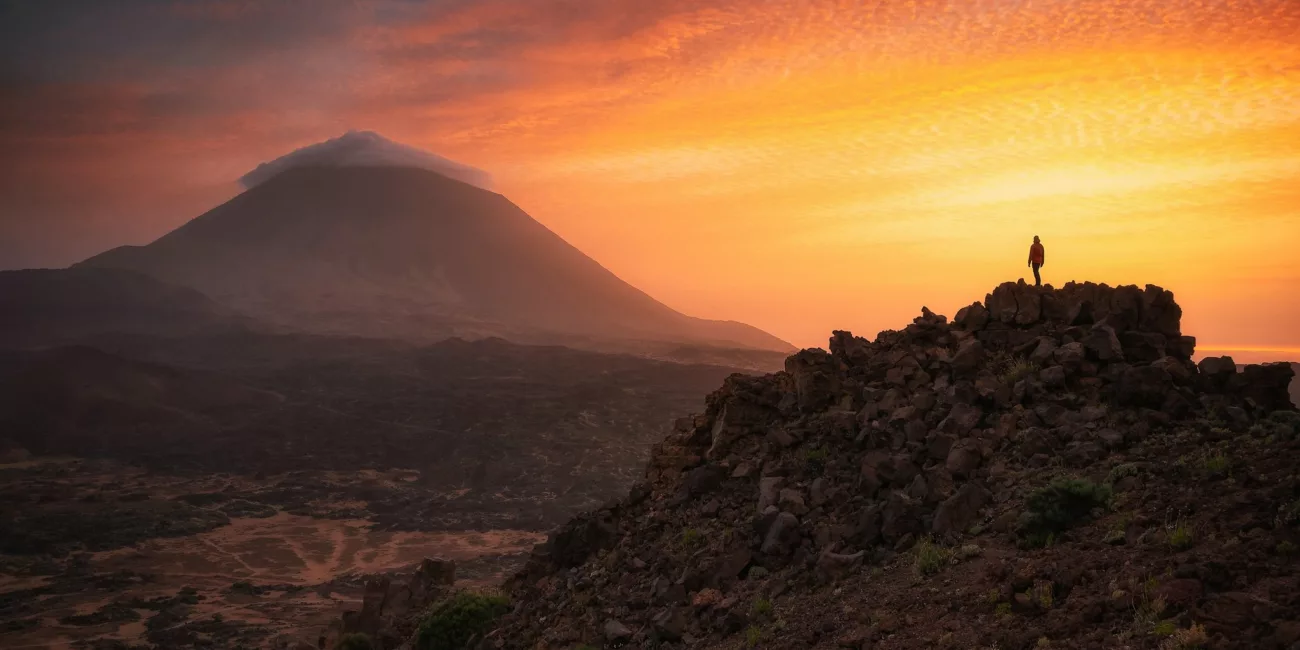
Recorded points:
354,641
691,537
1058,507
753,636
1009,369
1181,536
1165,628
451,624
930,557
763,607
1121,471
1217,464
815,460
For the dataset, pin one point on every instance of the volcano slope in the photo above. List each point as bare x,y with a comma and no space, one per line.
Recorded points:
1049,470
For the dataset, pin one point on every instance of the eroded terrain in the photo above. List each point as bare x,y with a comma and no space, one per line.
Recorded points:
98,551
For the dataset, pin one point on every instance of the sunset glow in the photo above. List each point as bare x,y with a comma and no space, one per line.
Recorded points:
798,166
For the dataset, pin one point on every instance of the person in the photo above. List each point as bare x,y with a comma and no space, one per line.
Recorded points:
1036,259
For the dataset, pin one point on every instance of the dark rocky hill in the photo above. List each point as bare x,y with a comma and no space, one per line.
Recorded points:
409,253
1047,470
51,307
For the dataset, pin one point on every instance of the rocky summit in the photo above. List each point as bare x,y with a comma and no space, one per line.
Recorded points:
1049,469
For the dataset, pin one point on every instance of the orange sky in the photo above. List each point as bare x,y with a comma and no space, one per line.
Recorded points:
797,166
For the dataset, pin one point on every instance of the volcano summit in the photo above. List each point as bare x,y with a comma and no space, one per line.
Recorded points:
360,235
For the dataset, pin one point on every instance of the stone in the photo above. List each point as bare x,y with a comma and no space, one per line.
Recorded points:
1043,352
834,566
1268,385
1143,386
901,516
616,632
969,357
940,445
817,492
972,318
704,479
792,500
669,625
961,510
731,565
781,535
964,458
961,419
1216,372
769,491
816,378
1053,377
1102,344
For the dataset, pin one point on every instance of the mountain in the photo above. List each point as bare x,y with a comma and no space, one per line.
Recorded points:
401,251
44,307
1047,469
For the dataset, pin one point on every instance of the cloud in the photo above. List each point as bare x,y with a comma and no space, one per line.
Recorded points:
366,149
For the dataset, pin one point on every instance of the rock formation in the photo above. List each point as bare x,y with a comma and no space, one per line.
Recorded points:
895,493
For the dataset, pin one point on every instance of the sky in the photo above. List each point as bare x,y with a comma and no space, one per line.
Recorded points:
798,165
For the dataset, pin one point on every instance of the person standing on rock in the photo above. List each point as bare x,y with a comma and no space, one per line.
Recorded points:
1036,258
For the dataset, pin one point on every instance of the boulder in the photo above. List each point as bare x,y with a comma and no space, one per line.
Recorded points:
900,516
972,318
616,632
1102,344
1268,385
816,378
961,510
969,357
964,458
1143,386
1216,373
781,535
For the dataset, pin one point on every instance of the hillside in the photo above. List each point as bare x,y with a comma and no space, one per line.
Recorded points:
1047,470
408,253
50,307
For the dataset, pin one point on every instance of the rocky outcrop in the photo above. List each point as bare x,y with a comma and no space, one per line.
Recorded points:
388,608
930,437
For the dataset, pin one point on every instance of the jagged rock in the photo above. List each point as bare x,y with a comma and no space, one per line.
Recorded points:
833,566
669,625
705,479
816,378
969,357
616,632
972,318
769,491
1053,377
964,457
792,501
961,419
584,535
1102,344
901,516
1268,385
817,492
781,534
848,347
942,442
1217,373
1143,386
961,510
1142,347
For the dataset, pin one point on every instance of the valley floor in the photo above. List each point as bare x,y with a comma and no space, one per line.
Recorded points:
186,562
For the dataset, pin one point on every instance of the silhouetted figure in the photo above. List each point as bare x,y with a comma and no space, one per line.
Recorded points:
1036,258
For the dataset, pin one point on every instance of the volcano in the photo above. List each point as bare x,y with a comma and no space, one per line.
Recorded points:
374,244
